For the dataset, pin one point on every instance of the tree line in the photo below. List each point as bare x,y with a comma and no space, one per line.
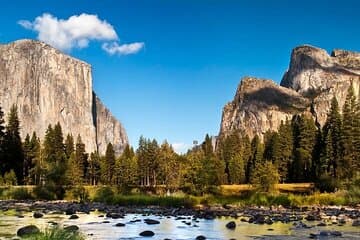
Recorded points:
300,151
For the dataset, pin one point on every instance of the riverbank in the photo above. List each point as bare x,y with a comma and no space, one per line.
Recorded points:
100,218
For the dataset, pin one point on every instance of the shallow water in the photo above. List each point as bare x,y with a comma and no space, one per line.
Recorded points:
93,226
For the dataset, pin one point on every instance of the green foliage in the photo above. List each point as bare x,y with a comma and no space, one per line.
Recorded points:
56,234
44,193
80,193
20,194
13,152
326,184
9,178
265,177
104,194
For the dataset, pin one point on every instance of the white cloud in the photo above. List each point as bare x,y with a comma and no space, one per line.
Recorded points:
180,147
77,31
124,49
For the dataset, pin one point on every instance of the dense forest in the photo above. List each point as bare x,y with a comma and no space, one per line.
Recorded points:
300,151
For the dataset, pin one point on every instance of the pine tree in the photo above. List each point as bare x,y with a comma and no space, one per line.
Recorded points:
2,143
304,141
347,139
69,145
14,156
230,153
35,172
55,161
81,158
126,170
256,159
332,138
286,150
94,168
108,168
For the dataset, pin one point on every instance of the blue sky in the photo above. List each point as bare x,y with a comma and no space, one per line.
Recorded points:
192,53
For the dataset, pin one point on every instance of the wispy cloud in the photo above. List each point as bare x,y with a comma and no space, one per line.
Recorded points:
77,31
181,147
124,49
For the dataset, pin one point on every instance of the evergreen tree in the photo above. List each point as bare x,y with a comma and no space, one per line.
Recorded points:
54,161
169,167
256,159
332,138
108,168
14,156
81,158
69,145
286,150
126,169
36,171
304,140
94,170
2,144
230,152
348,136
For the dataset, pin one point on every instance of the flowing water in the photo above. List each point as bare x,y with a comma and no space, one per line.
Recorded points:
96,228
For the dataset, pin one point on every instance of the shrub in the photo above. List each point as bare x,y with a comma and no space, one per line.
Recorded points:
326,184
20,194
104,194
80,193
44,193
10,178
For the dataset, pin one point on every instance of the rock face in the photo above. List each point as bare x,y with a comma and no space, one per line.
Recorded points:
49,87
313,78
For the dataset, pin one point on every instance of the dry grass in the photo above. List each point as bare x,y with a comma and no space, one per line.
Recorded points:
284,187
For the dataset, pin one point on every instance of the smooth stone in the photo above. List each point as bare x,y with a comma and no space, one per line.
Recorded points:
201,237
322,224
324,233
72,228
27,230
151,221
336,233
147,233
38,215
120,225
231,225
356,223
74,216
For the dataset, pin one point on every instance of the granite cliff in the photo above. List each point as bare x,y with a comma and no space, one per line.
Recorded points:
312,79
48,87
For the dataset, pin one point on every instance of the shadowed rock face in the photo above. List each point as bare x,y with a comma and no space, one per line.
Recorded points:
313,78
49,87
260,105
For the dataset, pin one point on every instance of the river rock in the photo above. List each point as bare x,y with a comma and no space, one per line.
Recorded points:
74,216
201,237
38,215
147,233
27,230
356,223
72,228
120,225
231,225
151,221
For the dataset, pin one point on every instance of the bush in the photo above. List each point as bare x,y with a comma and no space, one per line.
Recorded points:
44,193
105,195
10,178
20,194
80,193
326,184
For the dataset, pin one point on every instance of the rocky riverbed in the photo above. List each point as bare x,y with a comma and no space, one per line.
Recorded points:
101,221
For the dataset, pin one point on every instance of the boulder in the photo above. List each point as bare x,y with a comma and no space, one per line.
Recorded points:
28,230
